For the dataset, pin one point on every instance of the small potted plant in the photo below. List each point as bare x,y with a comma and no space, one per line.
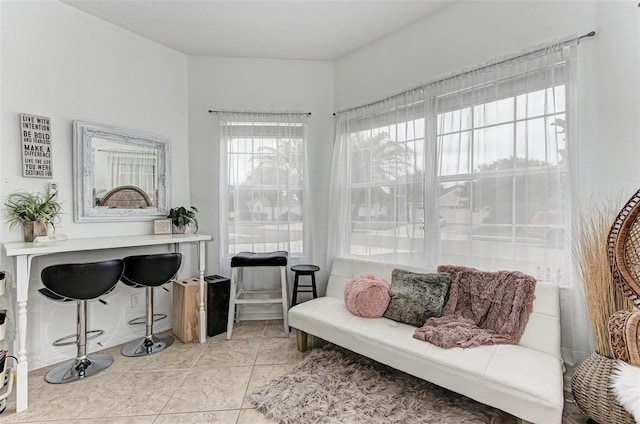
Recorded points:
182,217
34,211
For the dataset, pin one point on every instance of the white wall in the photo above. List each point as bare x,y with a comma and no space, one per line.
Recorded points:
470,33
259,84
65,64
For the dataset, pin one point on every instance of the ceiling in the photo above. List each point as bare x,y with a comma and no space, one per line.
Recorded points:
284,29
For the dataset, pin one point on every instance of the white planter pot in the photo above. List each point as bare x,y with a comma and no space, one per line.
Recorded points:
3,326
3,372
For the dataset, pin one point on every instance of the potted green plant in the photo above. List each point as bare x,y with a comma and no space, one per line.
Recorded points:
34,211
182,217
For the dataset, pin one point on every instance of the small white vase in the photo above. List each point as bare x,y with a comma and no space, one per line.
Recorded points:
3,326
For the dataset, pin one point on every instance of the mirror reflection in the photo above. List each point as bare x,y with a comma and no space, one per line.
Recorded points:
119,174
124,175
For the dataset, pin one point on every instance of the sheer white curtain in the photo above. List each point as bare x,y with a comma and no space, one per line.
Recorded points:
263,186
476,169
380,200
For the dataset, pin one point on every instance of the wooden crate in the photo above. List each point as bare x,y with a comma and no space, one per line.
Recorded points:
186,304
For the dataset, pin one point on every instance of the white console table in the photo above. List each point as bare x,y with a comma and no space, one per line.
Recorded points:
25,252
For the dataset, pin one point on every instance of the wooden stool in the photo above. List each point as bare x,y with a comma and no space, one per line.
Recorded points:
251,259
304,270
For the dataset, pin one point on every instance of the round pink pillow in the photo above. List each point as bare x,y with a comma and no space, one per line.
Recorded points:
367,296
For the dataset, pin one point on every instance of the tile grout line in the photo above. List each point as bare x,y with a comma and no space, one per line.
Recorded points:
205,347
253,367
264,337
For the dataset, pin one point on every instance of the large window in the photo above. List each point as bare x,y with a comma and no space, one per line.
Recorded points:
263,180
473,170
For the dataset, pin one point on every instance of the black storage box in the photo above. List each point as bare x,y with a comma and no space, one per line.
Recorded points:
218,288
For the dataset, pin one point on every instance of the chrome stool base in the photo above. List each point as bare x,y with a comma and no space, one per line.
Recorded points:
147,346
79,369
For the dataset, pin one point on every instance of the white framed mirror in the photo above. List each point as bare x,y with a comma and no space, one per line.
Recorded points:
119,174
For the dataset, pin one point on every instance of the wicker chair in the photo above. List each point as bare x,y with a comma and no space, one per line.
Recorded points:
126,197
623,252
591,380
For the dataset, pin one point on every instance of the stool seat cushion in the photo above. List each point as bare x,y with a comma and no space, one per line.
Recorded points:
367,296
244,259
82,281
151,270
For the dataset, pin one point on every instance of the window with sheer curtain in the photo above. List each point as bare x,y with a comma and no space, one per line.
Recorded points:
501,182
477,169
135,169
385,188
470,170
263,179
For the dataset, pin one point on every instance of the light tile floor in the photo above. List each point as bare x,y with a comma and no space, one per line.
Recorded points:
187,383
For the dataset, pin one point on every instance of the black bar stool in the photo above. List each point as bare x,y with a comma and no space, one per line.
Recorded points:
80,282
251,259
299,270
149,271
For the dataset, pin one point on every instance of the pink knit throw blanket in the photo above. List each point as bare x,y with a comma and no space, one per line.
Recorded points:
484,308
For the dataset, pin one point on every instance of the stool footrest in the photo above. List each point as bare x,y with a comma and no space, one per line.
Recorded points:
73,338
260,291
258,301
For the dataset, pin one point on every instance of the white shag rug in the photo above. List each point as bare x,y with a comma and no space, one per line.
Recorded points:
333,385
625,383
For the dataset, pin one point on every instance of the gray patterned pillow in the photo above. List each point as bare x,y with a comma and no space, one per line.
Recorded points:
416,297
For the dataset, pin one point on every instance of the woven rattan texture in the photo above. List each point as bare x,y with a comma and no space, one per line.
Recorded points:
617,323
126,197
623,249
592,392
624,336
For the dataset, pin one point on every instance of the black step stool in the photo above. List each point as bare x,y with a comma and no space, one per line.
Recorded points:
299,270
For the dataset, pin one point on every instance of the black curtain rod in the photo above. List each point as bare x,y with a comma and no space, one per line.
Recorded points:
461,74
257,113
